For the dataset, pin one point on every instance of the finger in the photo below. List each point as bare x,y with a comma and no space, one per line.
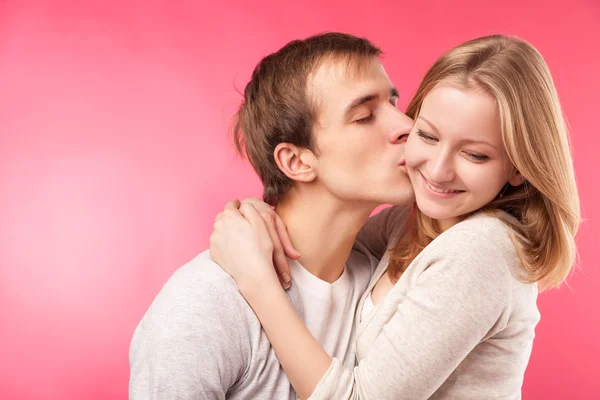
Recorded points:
279,259
232,205
219,216
231,210
253,200
251,214
263,208
257,203
260,205
286,242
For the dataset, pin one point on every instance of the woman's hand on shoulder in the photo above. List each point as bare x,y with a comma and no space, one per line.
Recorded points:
246,233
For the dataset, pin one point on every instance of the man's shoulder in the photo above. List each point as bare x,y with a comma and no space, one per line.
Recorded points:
197,288
361,263
360,256
201,273
195,320
199,300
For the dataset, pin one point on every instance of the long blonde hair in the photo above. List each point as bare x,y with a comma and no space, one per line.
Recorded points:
535,136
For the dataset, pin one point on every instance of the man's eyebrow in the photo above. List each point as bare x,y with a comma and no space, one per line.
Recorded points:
367,98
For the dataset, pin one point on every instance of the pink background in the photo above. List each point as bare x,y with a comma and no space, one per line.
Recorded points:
114,158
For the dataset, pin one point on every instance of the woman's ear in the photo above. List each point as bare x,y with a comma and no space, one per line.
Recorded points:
516,179
295,162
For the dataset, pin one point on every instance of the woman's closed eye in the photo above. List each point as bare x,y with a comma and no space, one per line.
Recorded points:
426,137
476,156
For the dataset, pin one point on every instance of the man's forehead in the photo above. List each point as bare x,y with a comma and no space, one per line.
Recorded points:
339,80
341,71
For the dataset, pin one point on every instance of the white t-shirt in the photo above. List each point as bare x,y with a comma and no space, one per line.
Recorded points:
201,339
329,308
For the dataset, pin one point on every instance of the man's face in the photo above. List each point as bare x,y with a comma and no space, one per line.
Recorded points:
360,134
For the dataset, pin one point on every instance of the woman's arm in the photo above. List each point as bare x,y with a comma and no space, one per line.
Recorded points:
376,234
452,306
301,356
241,243
282,244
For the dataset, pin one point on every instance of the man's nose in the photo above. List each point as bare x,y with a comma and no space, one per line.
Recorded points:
403,124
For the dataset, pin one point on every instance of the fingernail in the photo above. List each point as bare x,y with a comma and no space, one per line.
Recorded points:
285,277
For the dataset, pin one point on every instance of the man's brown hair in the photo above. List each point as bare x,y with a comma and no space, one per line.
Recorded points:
277,108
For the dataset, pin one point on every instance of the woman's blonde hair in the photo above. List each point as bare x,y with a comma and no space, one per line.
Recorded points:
535,136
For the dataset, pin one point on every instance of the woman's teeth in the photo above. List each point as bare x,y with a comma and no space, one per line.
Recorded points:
441,190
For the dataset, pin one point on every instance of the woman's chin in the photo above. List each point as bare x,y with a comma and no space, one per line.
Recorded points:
436,212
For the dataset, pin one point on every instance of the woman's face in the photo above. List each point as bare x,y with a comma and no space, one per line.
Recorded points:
455,157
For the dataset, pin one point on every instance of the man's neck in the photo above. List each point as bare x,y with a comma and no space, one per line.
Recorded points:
323,230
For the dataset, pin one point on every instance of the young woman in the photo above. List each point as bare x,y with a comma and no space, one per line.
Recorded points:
451,310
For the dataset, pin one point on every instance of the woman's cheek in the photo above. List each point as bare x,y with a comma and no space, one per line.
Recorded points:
416,156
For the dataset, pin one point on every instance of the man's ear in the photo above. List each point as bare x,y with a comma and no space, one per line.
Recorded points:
295,162
516,179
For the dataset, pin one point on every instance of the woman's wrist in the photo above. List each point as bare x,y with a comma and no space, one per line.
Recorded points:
261,291
259,284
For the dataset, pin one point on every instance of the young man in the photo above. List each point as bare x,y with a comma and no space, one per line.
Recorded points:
320,126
